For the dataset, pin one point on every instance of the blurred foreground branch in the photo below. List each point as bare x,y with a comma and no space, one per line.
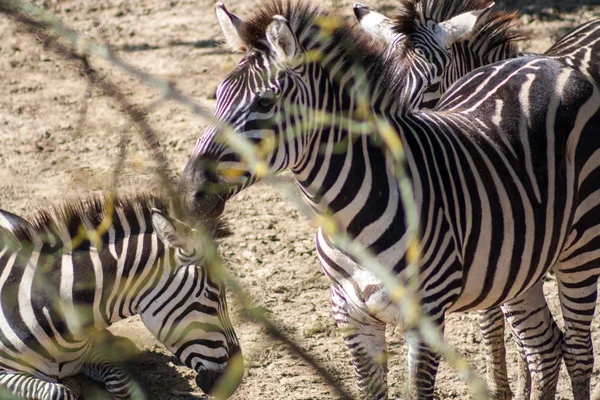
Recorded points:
72,46
137,115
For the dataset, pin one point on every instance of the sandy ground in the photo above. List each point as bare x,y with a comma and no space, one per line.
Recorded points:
45,158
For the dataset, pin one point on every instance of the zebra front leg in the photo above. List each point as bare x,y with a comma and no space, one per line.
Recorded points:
578,304
29,387
106,363
422,367
364,337
540,338
523,375
491,323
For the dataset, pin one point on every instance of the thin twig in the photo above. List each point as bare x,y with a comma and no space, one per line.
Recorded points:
403,296
137,116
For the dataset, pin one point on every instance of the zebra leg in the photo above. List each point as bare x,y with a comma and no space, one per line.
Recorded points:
29,387
422,366
364,337
106,363
540,337
491,323
523,374
578,303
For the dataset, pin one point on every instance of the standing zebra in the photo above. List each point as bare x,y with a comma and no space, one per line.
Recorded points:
514,141
73,271
493,43
580,49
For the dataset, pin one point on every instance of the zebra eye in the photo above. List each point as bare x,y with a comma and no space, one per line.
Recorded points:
185,253
420,52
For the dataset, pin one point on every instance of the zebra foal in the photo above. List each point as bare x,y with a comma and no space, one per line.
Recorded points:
70,272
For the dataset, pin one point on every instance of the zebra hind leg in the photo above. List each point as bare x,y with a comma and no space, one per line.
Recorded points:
26,386
108,363
364,337
540,338
578,303
491,323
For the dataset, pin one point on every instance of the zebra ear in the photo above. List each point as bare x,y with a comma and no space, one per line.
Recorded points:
463,26
281,38
230,25
373,23
10,225
9,240
167,233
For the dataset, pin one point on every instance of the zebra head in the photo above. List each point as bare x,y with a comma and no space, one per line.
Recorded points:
428,35
270,78
475,35
286,79
189,313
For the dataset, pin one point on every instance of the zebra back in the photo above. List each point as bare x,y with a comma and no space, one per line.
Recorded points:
580,49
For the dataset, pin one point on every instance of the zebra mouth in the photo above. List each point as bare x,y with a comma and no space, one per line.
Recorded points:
216,210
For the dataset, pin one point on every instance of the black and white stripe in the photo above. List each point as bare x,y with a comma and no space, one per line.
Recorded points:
73,271
530,315
498,170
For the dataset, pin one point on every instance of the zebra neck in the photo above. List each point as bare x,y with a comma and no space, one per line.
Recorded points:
125,270
344,174
144,276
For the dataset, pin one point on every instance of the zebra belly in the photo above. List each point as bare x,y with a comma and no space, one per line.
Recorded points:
362,290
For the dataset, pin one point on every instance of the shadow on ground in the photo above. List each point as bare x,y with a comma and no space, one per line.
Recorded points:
157,373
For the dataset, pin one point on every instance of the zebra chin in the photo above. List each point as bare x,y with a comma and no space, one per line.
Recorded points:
222,383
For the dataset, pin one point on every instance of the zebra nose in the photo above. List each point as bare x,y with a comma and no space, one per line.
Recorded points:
201,187
206,380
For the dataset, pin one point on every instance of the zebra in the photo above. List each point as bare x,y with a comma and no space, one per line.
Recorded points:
513,141
495,42
579,49
71,271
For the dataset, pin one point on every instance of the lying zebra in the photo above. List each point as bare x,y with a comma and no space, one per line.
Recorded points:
74,270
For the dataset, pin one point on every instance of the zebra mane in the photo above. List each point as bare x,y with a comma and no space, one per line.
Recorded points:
300,15
495,32
346,39
94,209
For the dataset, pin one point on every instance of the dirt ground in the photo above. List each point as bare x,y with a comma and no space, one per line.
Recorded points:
46,158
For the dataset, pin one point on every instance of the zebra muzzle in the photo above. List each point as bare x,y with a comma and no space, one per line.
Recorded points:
223,383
